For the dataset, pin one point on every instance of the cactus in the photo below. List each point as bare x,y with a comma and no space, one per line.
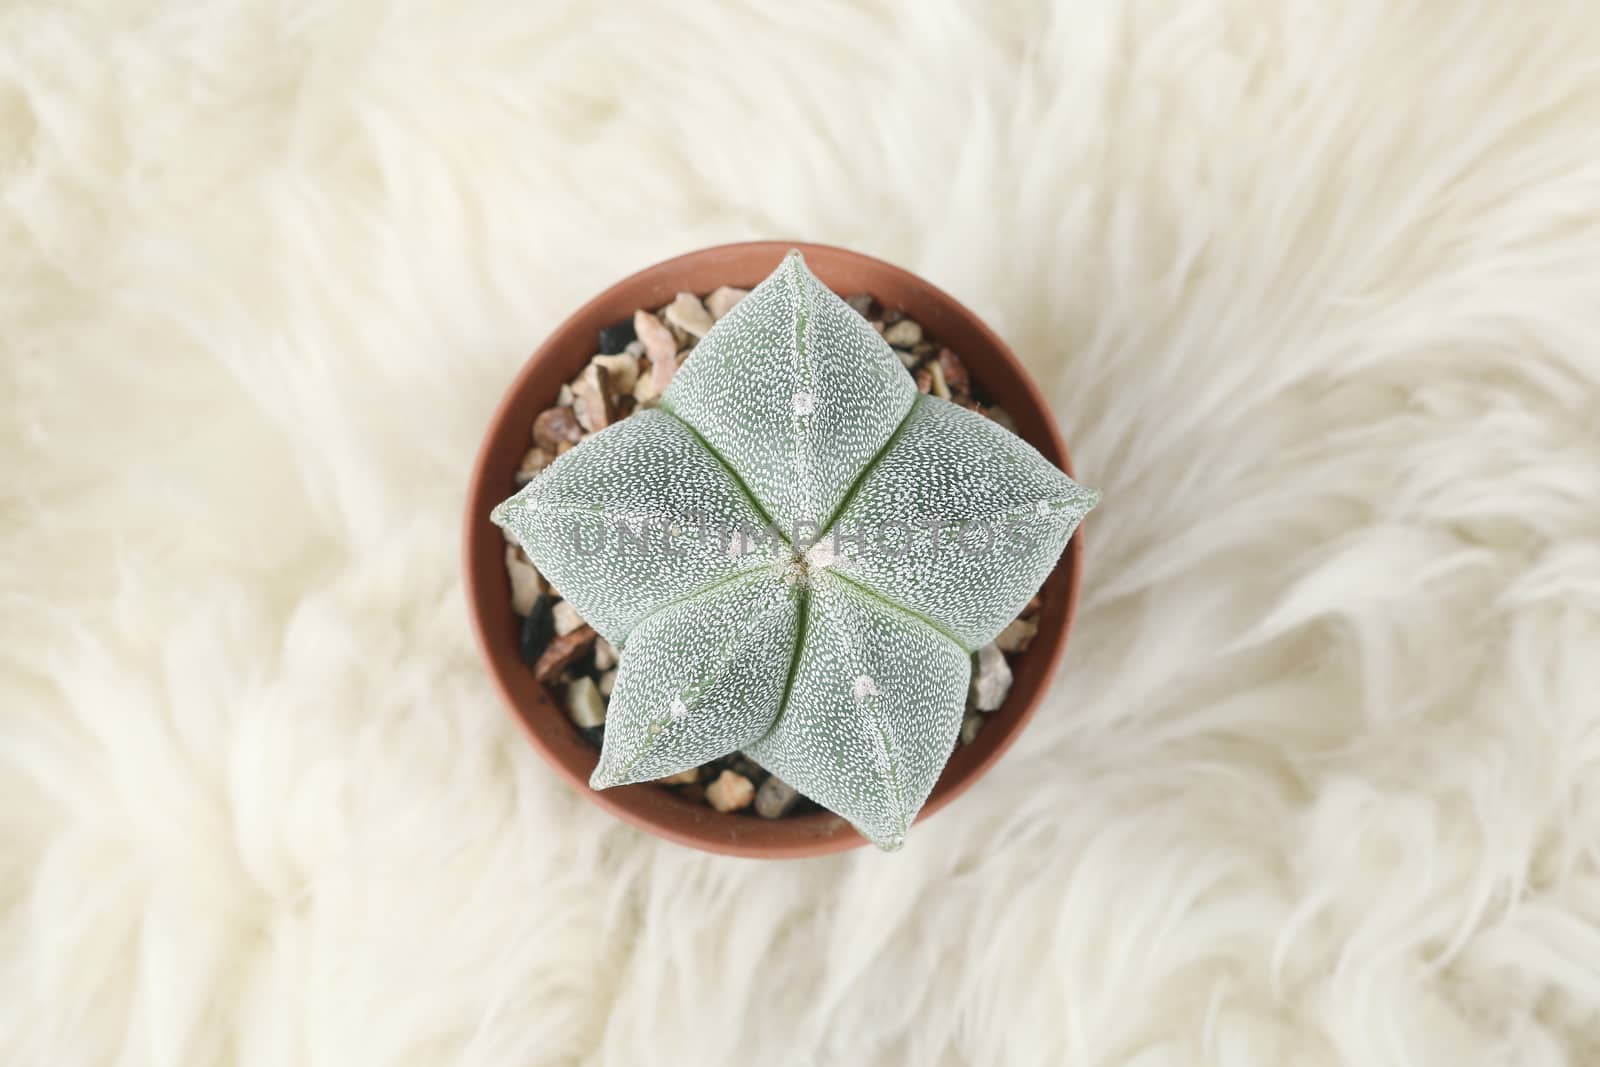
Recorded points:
798,555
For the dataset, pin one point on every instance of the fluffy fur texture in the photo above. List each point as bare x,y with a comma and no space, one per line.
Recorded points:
1314,290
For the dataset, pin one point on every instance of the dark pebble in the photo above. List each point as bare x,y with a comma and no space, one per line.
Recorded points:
616,337
595,735
864,305
739,763
537,630
584,664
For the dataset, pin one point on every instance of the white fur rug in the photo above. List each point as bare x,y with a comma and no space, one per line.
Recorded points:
1315,289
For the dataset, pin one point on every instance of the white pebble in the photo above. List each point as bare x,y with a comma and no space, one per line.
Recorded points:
1017,635
592,400
605,657
991,681
526,585
689,315
622,371
608,682
584,706
903,334
723,300
566,616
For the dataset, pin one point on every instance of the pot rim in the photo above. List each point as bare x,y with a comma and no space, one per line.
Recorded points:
656,809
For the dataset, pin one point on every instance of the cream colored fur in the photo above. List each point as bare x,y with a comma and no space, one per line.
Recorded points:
1314,287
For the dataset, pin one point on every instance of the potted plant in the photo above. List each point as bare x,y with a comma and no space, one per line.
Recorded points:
806,527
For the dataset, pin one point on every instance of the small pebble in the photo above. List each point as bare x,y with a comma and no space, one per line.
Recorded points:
991,678
622,372
645,393
941,388
562,651
584,706
538,627
1035,602
863,303
566,617
775,798
891,316
903,334
658,341
924,380
608,682
689,315
661,375
907,360
605,657
723,300
555,427
970,726
688,777
955,372
1017,635
534,460
616,337
923,348
526,585
591,393
564,397
730,792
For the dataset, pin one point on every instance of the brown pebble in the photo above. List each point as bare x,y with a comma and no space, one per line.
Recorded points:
955,372
924,381
556,427
1033,605
562,652
892,316
1017,635
730,792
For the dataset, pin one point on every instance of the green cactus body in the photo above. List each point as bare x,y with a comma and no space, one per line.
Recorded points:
797,554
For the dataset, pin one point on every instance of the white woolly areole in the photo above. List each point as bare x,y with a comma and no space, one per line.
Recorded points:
823,554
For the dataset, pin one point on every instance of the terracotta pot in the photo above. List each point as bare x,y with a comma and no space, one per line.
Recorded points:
654,808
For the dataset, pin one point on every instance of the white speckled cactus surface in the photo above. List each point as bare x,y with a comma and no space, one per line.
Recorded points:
797,554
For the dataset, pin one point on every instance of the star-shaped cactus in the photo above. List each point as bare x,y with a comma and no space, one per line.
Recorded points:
797,554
